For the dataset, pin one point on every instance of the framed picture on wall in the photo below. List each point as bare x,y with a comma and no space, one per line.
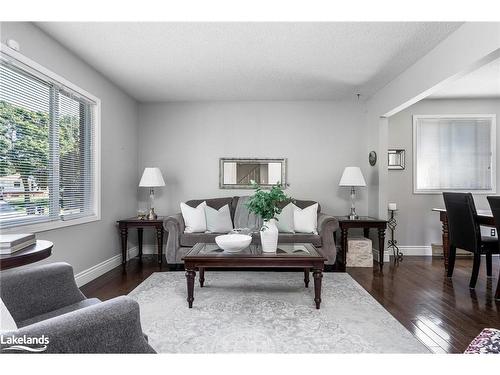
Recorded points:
396,159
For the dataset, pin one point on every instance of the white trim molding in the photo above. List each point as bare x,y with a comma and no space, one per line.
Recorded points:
416,250
100,269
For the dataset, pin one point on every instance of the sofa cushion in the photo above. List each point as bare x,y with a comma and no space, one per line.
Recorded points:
218,220
190,239
195,220
305,220
61,311
284,220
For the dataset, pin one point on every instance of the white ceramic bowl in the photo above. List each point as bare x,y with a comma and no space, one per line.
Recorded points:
232,243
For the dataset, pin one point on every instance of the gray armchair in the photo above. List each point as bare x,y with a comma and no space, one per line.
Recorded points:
45,300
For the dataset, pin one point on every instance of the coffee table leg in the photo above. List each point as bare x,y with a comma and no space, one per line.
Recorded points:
190,274
306,277
318,275
202,276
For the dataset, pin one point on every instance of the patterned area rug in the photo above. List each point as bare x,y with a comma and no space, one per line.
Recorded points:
267,312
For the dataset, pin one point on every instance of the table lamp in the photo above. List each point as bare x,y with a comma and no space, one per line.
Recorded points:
352,177
151,178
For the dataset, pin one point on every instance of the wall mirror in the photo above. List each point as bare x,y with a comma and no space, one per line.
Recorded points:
236,173
396,159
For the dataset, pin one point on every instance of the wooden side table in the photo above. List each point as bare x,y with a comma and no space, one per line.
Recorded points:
134,222
33,253
366,223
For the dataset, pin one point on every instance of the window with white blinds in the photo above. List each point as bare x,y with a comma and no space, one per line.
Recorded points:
48,141
454,153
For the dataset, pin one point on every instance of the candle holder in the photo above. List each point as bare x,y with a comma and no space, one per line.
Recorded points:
392,243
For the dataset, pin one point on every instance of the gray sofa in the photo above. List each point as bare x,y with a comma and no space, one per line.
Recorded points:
44,300
179,243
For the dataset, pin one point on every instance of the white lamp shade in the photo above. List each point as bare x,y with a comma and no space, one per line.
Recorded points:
352,176
151,177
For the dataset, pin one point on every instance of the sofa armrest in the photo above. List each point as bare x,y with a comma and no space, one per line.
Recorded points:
108,327
174,222
37,290
327,226
174,225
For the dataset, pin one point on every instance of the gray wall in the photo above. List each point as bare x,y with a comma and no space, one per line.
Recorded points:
86,245
319,139
417,224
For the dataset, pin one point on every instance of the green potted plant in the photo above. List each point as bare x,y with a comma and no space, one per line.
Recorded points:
265,203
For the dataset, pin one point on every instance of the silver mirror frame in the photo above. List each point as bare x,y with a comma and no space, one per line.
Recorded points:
401,154
283,161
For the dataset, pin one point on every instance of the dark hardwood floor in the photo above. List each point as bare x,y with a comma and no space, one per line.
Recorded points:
442,313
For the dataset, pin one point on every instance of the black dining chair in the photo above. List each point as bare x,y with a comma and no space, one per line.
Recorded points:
495,209
465,234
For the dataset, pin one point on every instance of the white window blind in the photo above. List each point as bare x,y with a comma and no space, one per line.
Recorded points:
48,148
454,153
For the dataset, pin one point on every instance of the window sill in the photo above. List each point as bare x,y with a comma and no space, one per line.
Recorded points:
440,192
51,225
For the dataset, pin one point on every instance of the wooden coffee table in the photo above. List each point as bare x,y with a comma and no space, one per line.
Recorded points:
303,256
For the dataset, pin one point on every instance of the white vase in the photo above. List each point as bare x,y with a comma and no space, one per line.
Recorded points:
269,236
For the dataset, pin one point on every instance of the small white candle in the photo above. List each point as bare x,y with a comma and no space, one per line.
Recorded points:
392,207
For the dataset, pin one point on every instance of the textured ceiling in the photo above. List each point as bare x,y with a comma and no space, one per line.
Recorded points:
482,83
250,61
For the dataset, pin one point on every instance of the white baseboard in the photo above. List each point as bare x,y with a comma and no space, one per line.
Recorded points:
150,249
100,269
406,250
416,250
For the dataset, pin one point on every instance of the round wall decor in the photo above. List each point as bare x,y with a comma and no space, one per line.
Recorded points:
372,158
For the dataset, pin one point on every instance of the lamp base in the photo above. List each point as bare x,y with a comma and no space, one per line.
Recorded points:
353,217
152,215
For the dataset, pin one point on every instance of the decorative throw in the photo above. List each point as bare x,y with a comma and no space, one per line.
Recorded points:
244,218
487,342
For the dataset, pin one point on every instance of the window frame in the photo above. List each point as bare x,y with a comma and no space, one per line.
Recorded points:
37,69
491,117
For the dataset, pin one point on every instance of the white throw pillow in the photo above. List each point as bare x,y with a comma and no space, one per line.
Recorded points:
306,220
218,221
194,218
7,322
285,221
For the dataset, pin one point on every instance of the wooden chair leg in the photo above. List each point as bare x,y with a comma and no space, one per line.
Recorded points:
452,253
497,294
489,272
475,270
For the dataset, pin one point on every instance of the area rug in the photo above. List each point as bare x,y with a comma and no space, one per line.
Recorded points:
267,312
